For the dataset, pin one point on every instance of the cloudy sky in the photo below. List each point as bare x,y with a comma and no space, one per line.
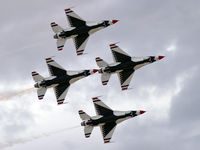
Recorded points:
167,90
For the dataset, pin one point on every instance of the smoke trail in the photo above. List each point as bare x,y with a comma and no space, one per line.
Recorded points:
9,95
29,139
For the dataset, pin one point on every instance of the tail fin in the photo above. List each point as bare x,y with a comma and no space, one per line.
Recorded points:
105,78
83,115
101,63
41,92
37,77
56,28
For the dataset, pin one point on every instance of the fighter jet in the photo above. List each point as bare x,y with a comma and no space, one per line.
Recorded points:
106,118
60,79
124,66
79,31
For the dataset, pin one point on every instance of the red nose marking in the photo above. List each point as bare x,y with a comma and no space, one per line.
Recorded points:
114,21
160,57
95,70
142,111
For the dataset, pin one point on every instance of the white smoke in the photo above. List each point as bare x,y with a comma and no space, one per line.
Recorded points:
35,137
11,94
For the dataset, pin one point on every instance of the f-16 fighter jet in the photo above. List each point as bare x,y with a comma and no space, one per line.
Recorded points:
60,79
106,118
79,31
124,66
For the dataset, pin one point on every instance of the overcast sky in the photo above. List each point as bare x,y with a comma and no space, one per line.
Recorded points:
168,89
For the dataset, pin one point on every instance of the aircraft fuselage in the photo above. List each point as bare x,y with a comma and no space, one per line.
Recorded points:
64,79
129,65
83,30
95,121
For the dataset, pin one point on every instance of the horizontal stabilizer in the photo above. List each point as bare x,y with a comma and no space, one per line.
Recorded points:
88,131
60,44
41,92
37,77
101,63
105,78
56,28
83,115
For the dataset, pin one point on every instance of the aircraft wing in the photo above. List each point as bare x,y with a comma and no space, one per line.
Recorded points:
80,42
101,108
73,19
54,68
125,77
107,131
118,54
61,92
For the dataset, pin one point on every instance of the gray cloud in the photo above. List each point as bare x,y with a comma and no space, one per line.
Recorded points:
145,28
184,106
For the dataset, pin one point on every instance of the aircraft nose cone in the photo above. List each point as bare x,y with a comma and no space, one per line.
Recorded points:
95,70
142,111
160,57
114,21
